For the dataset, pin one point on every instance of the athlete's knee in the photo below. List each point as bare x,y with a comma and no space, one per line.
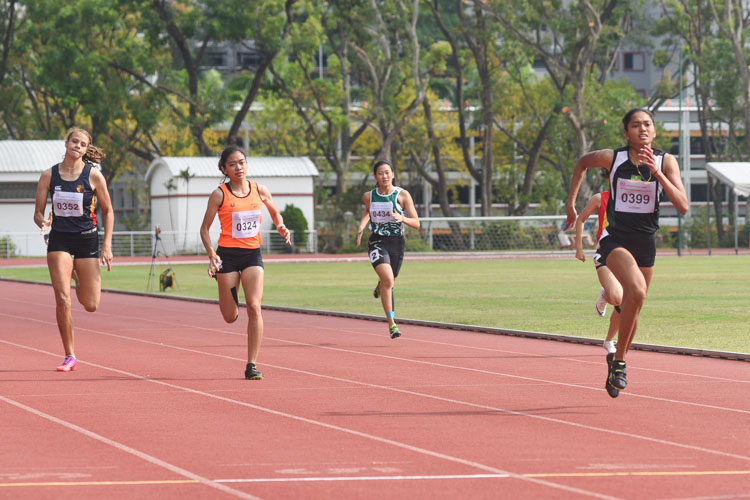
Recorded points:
253,309
387,283
614,297
90,306
636,294
62,300
230,316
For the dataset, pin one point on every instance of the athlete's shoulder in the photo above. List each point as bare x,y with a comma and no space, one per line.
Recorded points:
598,158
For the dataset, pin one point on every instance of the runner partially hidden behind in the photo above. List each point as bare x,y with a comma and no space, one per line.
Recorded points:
639,176
388,208
611,290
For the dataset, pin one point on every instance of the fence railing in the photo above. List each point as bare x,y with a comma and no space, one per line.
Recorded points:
545,232
521,233
147,243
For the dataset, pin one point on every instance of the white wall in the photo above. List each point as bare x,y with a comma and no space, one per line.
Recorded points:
18,217
189,202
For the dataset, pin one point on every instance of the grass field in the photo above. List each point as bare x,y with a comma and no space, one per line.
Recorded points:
698,302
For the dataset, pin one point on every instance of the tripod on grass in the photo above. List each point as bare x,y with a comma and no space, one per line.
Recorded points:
158,243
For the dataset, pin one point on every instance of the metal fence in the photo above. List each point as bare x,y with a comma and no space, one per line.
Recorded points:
494,233
148,243
522,233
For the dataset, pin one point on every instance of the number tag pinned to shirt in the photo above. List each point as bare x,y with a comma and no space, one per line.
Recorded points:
381,211
245,224
67,204
635,196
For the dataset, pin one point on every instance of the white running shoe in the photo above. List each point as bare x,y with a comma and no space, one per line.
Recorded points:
601,304
610,346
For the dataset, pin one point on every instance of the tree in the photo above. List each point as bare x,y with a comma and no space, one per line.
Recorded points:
331,122
569,44
186,176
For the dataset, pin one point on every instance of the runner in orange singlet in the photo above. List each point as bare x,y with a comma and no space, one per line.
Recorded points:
239,204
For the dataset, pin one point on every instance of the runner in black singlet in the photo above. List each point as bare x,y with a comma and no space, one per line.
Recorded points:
74,186
639,177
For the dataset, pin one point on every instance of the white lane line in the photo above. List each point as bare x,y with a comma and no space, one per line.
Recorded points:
132,451
364,435
361,478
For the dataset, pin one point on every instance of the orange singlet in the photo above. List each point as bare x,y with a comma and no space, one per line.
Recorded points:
602,214
240,218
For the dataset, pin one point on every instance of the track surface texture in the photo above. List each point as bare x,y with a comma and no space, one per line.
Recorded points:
159,408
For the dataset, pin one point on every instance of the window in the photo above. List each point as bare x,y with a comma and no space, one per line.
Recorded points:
215,59
250,60
634,61
18,190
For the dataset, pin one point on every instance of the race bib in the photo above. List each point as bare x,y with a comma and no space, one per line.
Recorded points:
381,211
66,204
245,224
636,197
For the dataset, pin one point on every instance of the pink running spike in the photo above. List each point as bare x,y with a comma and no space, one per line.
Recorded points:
68,365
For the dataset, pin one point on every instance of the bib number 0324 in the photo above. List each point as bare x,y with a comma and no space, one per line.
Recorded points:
245,224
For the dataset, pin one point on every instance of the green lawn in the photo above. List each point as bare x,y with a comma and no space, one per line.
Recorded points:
698,302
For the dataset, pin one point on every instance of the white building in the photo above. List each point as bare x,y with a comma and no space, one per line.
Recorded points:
21,164
178,205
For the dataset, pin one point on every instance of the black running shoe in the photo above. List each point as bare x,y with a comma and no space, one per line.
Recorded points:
611,390
394,331
617,374
376,292
252,373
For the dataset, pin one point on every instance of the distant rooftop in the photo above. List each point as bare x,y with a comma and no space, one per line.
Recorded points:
257,166
30,156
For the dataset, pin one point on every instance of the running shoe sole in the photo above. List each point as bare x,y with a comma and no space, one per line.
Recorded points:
376,292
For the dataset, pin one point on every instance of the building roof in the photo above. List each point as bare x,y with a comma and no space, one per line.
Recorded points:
735,174
30,156
258,166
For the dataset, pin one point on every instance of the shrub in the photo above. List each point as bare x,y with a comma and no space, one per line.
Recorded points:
7,248
295,221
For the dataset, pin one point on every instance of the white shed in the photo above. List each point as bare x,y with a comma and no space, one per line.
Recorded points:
21,164
178,205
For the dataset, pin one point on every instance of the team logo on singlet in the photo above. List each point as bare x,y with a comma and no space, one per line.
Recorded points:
79,188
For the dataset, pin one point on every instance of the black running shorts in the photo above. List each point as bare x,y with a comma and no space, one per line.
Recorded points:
236,260
386,250
641,246
83,245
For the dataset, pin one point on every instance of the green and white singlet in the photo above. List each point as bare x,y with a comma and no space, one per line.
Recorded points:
381,213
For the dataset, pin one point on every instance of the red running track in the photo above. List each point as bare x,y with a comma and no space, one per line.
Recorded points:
158,408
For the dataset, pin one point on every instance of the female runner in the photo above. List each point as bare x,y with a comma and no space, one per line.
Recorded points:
638,177
388,208
238,258
74,185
